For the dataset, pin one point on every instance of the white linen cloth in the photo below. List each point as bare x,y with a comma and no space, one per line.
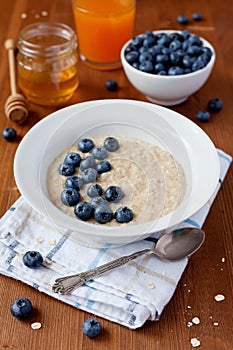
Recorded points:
129,295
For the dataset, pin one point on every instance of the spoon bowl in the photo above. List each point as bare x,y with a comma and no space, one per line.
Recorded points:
172,246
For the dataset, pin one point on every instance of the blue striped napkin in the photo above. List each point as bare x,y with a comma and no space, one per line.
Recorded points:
129,295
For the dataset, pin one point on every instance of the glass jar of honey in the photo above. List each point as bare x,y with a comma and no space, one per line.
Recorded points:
47,63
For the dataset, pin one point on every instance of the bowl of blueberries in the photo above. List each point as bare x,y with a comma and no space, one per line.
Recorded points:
167,66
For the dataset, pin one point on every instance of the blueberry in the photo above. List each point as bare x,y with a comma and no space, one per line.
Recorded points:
89,175
103,167
111,85
203,116
94,190
99,153
84,211
144,57
194,40
132,56
123,214
87,162
185,34
197,65
146,67
96,201
164,40
149,41
182,19
111,144
70,197
215,105
174,58
159,67
188,61
21,308
103,214
32,259
137,41
162,72
155,50
197,16
66,169
194,50
73,158
91,327
175,71
162,58
85,145
9,134
175,45
113,194
74,182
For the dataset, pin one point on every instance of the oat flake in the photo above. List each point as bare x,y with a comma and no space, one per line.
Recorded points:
219,297
52,241
223,259
150,285
23,15
195,342
216,324
189,324
196,320
44,13
40,239
36,325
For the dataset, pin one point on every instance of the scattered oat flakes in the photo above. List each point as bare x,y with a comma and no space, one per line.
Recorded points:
189,324
150,285
189,307
196,320
36,325
37,16
47,261
20,255
52,241
23,15
195,342
40,239
223,259
216,324
189,290
44,13
219,297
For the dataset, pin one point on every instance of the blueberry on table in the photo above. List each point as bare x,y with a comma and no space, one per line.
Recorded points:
70,197
33,259
84,211
103,167
111,144
182,19
66,169
103,213
215,105
9,134
21,308
85,145
94,190
73,158
74,182
203,116
91,327
123,214
113,194
197,16
111,85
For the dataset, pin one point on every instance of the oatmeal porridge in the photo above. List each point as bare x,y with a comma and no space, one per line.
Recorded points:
152,181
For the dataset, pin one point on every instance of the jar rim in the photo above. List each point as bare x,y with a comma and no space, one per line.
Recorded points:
57,29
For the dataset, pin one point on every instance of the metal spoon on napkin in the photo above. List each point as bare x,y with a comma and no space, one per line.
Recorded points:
172,246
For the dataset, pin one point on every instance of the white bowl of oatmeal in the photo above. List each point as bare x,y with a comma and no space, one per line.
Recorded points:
160,166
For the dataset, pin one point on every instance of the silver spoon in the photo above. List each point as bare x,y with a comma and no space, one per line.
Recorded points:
172,246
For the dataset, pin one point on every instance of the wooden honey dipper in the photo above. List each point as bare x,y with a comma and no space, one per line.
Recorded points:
16,105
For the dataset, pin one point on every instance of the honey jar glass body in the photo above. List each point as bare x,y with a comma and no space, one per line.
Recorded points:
47,63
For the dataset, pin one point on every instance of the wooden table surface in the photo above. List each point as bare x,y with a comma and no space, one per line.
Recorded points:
207,274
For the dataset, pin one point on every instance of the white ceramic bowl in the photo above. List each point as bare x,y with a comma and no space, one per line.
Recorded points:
167,90
143,120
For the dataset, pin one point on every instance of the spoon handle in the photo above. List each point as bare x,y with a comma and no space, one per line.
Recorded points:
67,284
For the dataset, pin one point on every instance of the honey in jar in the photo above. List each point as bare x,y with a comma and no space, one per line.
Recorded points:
47,63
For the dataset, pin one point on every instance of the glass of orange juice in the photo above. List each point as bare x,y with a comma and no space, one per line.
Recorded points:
103,26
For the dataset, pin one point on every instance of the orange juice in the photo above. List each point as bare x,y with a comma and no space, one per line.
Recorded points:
103,26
